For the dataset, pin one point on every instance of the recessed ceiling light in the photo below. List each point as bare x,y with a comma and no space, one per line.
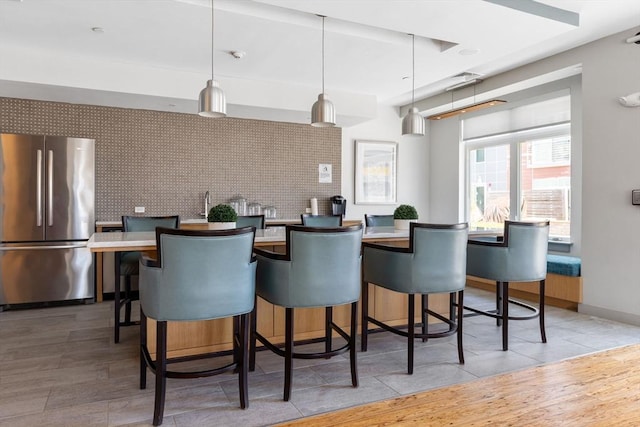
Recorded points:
97,29
468,52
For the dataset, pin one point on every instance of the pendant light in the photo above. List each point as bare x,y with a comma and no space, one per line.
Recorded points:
212,102
413,122
323,114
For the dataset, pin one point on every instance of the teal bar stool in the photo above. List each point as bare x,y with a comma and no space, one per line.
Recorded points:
378,220
256,221
126,264
321,268
434,263
198,275
520,256
321,220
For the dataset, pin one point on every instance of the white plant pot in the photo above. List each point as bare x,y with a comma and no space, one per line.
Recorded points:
221,225
402,224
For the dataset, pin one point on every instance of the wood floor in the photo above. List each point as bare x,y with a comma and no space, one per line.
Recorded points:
601,389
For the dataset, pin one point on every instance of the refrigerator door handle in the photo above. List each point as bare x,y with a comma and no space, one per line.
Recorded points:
50,188
39,188
40,248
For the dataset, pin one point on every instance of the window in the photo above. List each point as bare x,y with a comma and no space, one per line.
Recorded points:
519,174
550,152
489,185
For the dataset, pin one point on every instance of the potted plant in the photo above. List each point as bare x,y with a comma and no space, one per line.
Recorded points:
403,215
222,217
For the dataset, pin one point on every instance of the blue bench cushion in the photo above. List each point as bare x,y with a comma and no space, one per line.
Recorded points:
564,265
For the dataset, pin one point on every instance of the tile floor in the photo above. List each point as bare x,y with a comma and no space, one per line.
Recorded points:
60,367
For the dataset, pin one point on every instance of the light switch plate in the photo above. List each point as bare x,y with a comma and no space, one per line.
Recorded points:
635,197
139,209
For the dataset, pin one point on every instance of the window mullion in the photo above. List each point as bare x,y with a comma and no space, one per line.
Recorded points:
514,181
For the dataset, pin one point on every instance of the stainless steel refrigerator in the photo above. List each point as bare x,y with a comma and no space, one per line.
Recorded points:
46,217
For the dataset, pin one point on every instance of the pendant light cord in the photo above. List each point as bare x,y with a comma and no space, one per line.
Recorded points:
212,48
323,55
413,70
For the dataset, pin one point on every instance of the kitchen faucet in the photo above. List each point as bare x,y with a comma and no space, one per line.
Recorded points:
207,200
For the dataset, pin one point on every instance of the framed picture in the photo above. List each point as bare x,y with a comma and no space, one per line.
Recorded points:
376,171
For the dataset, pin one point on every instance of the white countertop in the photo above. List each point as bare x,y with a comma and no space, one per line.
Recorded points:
204,221
100,242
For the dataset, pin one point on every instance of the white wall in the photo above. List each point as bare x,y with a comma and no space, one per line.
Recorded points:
445,192
606,145
413,161
611,225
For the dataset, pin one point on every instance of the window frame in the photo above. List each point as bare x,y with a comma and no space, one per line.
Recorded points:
514,140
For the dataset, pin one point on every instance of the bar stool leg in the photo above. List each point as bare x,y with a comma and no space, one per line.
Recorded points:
288,356
127,300
161,369
328,330
252,336
352,344
460,317
505,316
424,316
116,299
143,343
499,303
411,332
541,311
244,360
364,324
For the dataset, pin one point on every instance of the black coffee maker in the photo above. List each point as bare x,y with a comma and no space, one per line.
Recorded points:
338,205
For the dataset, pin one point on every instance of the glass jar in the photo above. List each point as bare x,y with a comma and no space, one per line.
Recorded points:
239,204
254,209
269,212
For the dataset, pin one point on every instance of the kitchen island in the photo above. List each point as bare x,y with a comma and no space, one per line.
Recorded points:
188,338
104,262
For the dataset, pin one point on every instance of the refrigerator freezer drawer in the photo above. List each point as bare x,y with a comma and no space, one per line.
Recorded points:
31,274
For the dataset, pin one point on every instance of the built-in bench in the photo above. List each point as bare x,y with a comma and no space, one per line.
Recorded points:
563,285
564,265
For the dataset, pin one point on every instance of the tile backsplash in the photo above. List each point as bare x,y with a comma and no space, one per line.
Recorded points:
167,161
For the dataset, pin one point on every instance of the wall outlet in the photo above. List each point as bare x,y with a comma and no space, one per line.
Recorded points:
307,210
139,209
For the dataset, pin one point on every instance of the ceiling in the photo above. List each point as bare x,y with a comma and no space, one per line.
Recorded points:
157,54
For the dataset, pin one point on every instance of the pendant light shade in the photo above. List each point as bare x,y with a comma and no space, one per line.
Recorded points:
212,102
323,114
413,122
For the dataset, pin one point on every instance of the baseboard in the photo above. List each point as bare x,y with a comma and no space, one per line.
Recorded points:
605,313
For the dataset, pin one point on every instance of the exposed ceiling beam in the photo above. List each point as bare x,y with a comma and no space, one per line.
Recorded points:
540,9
